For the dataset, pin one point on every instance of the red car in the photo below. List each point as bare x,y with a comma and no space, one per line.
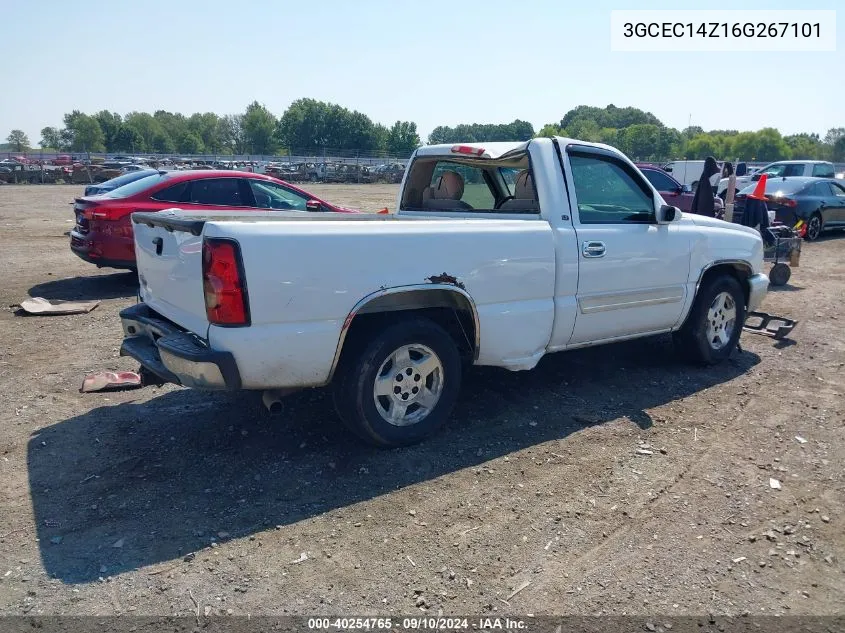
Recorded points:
673,192
103,231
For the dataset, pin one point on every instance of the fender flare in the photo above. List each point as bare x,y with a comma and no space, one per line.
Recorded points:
361,308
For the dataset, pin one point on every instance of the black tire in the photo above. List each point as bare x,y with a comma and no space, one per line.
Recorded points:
779,274
693,340
354,384
815,226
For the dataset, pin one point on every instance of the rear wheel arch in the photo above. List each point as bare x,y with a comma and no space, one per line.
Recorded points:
449,306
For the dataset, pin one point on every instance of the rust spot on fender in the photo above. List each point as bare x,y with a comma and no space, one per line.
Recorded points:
446,278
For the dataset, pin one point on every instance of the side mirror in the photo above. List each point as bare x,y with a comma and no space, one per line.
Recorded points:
668,168
686,189
755,177
666,214
313,205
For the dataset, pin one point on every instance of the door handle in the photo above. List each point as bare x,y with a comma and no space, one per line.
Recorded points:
592,249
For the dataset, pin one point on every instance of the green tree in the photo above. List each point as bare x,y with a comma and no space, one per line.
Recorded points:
128,139
610,116
18,140
232,134
82,133
50,138
402,139
833,135
770,145
838,150
162,143
702,146
692,131
110,123
641,141
549,130
148,126
190,143
807,146
207,127
744,146
259,127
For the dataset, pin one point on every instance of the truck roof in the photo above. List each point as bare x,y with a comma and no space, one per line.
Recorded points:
494,150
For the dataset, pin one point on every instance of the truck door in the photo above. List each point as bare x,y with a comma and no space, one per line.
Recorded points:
632,271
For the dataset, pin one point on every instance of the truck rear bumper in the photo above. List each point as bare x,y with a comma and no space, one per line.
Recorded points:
175,355
758,285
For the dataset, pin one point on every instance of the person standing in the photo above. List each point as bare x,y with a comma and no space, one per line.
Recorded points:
702,201
730,194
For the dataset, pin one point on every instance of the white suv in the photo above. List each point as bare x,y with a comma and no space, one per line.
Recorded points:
782,169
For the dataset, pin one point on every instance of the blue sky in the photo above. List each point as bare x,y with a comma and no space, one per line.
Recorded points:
433,62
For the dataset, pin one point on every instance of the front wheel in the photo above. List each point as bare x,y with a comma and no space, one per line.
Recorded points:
714,324
814,227
401,386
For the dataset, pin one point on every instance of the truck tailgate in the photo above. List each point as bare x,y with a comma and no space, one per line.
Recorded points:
170,275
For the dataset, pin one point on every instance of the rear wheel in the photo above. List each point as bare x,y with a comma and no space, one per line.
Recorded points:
713,327
399,387
814,227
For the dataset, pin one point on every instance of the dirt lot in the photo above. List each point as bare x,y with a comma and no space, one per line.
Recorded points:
157,500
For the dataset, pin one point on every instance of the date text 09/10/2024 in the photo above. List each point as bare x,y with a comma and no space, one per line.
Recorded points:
418,624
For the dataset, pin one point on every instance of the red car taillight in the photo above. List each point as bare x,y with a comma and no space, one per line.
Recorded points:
104,213
785,202
223,282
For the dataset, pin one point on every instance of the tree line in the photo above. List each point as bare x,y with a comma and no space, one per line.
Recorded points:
311,126
306,126
642,136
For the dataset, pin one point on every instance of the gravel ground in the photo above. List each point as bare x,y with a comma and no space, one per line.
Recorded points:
615,480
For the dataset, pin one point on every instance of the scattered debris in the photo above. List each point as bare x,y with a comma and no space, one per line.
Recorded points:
302,558
118,543
800,439
774,484
518,589
40,305
739,560
644,451
770,535
110,381
825,518
410,560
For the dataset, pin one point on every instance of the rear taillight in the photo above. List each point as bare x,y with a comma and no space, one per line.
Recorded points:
786,202
223,282
104,213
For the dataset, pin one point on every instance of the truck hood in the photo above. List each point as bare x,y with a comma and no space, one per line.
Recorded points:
703,220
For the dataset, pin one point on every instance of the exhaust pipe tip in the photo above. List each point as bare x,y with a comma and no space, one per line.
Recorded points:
272,400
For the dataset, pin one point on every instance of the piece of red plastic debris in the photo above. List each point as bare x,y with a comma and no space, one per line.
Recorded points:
110,381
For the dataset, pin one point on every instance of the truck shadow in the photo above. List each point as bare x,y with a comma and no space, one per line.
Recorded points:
135,484
110,286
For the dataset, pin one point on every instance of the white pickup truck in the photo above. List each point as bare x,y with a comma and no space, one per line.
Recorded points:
497,254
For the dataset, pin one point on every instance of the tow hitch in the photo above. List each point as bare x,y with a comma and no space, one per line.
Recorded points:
768,325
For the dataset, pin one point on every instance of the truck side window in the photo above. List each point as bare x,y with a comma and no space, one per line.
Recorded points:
608,193
794,170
